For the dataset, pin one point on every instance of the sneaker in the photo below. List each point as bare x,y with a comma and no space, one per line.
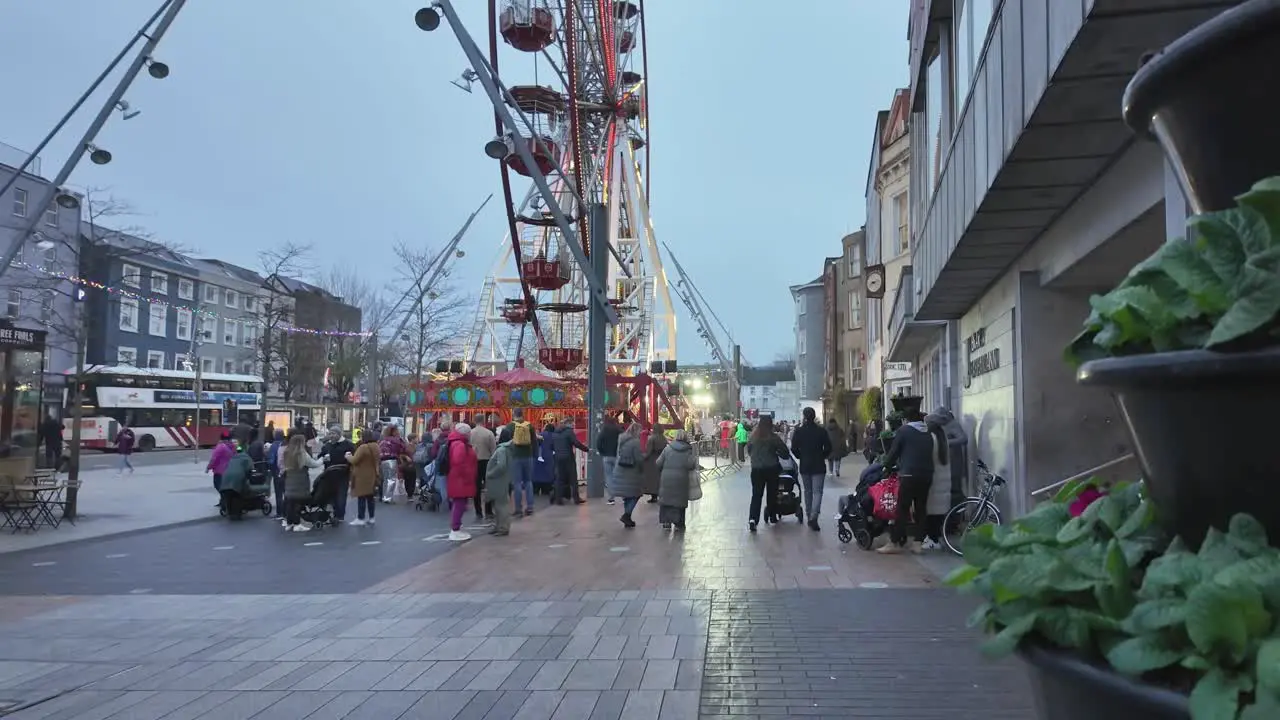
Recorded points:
914,548
357,522
890,549
610,501
929,544
458,536
301,528
372,521
666,526
752,525
627,521
528,512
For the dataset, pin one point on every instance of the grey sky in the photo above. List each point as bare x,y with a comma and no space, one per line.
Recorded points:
332,122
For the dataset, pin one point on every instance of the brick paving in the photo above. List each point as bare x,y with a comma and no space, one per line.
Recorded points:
572,616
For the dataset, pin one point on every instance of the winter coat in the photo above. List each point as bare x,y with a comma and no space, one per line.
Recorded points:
629,481
124,441
811,444
391,447
484,441
497,475
939,501
764,453
235,477
839,443
563,442
544,464
461,480
607,440
221,455
364,470
297,479
653,448
912,451
676,463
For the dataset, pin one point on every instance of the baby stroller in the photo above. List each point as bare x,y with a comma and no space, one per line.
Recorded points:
788,500
429,496
857,519
318,510
256,495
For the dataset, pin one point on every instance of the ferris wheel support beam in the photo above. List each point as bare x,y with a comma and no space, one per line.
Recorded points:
496,92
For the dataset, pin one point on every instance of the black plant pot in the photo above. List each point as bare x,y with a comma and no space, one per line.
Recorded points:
1210,99
1202,432
905,404
1068,688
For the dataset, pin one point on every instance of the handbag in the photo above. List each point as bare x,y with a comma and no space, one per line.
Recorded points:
695,484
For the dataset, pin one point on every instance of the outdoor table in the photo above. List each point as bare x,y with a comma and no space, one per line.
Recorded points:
27,507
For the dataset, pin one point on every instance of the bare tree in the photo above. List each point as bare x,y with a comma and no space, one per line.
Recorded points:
433,324
277,351
350,357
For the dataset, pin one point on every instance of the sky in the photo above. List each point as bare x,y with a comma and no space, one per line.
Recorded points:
332,123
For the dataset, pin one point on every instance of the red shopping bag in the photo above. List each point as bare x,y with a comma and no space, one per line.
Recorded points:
885,496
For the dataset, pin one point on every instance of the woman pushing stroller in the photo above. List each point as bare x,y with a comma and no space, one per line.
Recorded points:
297,467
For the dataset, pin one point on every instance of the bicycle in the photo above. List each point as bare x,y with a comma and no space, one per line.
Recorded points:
978,511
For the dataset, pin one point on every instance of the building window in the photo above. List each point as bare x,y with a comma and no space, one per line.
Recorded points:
233,299
902,219
186,289
126,356
50,255
17,257
855,369
246,367
206,327
972,20
19,202
230,330
250,303
182,362
46,306
159,283
802,304
800,344
228,366
250,334
206,365
129,315
183,328
155,359
211,294
855,261
13,306
157,320
855,309
934,102
51,215
131,275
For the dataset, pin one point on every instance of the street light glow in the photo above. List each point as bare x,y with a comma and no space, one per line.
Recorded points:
702,400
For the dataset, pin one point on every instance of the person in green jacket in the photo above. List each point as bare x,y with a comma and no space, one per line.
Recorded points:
741,437
497,478
235,483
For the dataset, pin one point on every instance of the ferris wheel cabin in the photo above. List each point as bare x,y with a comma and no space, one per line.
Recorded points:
527,27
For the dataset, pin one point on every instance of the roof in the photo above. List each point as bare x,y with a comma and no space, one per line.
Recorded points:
768,375
125,241
812,284
230,270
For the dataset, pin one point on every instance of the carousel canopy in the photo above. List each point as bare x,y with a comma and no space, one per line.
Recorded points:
522,375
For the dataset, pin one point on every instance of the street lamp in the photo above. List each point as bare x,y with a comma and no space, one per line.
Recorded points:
427,19
67,200
157,69
97,155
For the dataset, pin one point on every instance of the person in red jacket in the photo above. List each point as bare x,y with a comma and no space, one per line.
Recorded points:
460,480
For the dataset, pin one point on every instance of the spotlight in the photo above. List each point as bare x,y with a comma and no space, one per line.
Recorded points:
464,81
427,19
460,253
497,148
126,110
67,200
97,155
157,69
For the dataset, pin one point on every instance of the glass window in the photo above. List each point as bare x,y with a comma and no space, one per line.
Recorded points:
159,283
19,202
250,334
250,302
182,362
186,289
211,294
131,275
228,366
855,261
157,320
934,101
126,356
155,359
184,324
46,306
51,215
902,218
230,331
129,315
233,299
206,365
13,305
207,327
855,309
963,70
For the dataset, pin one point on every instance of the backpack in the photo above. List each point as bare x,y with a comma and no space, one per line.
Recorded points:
422,455
522,435
442,460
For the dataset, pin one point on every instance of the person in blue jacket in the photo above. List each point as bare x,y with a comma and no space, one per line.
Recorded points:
544,465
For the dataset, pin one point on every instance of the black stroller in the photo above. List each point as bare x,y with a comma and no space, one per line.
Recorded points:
857,520
324,493
256,495
788,500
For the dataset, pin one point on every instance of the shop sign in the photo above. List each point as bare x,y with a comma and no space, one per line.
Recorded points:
979,360
18,337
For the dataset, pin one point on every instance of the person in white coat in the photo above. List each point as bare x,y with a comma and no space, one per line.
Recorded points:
939,502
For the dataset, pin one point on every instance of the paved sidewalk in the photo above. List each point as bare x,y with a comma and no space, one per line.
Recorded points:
111,504
571,617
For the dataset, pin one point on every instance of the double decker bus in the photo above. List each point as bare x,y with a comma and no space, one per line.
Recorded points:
160,406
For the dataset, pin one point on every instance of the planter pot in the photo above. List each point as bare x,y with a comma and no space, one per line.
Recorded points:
1202,433
906,403
1068,688
1210,100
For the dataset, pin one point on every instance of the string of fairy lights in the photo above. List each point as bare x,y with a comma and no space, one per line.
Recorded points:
195,310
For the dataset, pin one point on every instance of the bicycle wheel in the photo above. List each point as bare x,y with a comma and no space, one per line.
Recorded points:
970,513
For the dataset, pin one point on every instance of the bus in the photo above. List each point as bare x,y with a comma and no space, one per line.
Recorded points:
160,406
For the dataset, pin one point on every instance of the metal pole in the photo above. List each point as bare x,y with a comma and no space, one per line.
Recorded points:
735,386
597,359
103,115
196,385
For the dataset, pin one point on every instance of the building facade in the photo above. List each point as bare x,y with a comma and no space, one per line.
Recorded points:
229,329
1029,195
760,391
810,333
888,237
846,335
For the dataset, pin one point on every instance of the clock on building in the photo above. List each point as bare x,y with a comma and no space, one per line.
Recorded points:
873,279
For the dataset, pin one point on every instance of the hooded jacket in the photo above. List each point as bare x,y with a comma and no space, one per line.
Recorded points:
461,480
912,451
811,444
676,462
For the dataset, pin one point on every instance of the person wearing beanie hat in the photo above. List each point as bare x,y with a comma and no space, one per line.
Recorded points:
460,480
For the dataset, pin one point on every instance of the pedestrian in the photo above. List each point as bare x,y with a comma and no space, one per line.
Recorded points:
653,447
564,440
524,451
337,452
460,478
938,503
218,459
839,447
364,478
124,446
913,453
498,485
275,454
50,433
765,449
242,433
628,474
390,450
298,464
676,465
484,442
408,468
741,437
811,446
234,486
607,446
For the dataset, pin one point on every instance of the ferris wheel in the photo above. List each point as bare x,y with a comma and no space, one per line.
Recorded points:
575,71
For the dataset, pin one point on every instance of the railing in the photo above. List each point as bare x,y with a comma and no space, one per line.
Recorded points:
1082,475
903,308
14,157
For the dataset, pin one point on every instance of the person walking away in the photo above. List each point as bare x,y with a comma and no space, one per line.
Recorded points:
336,453
275,454
390,448
544,466
764,448
839,447
460,478
484,442
365,472
676,462
871,443
607,446
124,446
563,442
653,447
298,464
741,438
498,485
50,433
628,474
912,451
242,433
524,450
939,501
811,444
218,459
235,483
408,468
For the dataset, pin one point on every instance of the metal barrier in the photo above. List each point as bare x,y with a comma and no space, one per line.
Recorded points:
1082,475
710,447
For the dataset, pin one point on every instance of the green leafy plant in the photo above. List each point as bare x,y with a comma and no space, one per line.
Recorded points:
1219,288
870,405
1109,587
